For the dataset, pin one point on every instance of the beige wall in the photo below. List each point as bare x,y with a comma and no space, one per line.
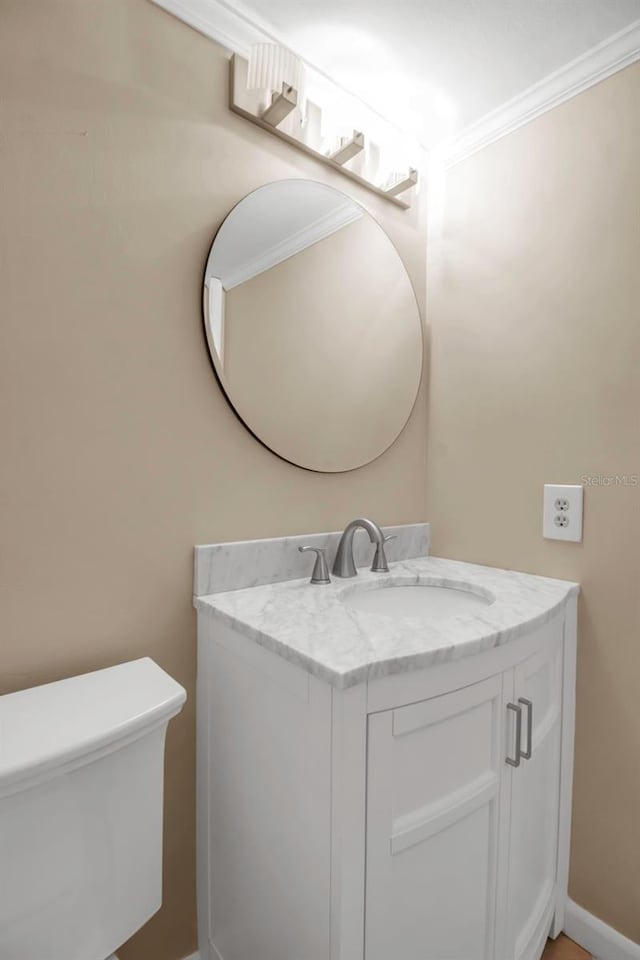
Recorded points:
534,307
118,161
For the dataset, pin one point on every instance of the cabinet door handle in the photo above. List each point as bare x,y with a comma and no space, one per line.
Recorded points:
518,712
526,754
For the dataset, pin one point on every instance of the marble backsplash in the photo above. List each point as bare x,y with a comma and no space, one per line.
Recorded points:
219,567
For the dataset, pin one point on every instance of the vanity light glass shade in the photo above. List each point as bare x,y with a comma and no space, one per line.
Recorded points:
312,325
271,65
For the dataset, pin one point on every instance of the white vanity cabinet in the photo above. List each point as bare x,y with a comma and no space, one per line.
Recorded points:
450,819
384,821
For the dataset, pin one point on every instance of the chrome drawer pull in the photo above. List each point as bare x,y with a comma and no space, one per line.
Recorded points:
527,753
518,712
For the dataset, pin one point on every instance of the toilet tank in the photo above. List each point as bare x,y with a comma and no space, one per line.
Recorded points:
81,792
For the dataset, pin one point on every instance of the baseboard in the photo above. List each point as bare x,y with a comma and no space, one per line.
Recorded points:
602,941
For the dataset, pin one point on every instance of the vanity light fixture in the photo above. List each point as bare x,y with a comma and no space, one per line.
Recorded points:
269,89
404,184
280,75
281,105
348,149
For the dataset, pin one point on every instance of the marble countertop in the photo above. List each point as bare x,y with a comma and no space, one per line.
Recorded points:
312,626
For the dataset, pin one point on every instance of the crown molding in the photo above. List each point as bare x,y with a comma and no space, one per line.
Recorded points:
613,54
219,22
317,230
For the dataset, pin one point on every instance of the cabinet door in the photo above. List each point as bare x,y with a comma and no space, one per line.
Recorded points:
535,787
433,780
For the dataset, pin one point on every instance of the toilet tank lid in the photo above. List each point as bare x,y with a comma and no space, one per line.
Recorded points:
47,727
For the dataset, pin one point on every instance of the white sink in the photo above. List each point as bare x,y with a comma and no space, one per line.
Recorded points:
430,601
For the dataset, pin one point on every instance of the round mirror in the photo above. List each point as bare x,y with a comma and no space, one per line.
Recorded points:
312,325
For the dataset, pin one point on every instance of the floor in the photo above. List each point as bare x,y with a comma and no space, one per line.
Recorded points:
564,949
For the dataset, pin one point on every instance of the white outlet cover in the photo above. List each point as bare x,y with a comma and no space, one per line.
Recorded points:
562,512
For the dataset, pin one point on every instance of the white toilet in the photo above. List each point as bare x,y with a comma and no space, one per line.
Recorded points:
81,789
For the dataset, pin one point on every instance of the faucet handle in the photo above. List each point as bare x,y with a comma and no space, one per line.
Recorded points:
320,571
380,564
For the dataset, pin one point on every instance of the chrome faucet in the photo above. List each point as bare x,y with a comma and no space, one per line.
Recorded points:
320,573
343,565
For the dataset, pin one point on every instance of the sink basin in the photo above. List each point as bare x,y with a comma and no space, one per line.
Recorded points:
430,601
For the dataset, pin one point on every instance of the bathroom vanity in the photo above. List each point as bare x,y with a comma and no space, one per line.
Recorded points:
375,786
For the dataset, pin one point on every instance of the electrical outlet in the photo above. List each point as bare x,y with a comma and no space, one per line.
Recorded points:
562,512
